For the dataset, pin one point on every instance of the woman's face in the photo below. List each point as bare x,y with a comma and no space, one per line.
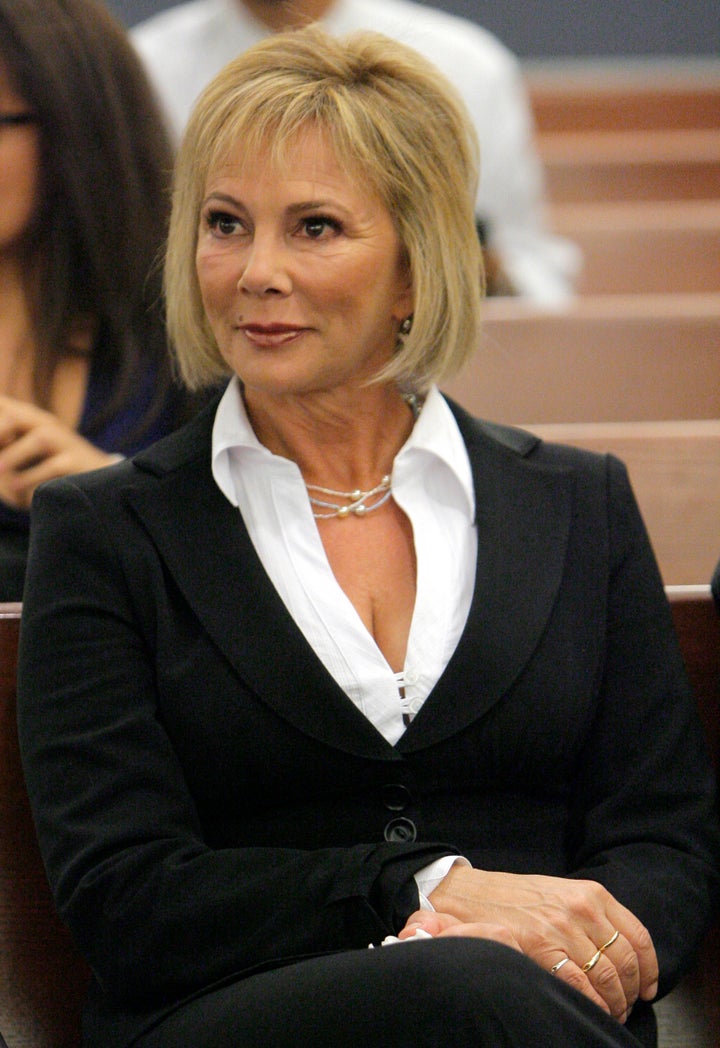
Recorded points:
19,167
301,272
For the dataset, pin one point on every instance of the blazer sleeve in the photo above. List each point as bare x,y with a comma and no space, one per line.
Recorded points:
157,911
645,795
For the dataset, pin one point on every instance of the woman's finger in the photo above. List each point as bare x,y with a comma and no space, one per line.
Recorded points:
634,941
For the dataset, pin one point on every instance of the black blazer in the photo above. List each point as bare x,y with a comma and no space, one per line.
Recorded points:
209,802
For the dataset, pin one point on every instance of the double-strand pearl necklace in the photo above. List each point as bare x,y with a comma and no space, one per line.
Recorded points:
355,503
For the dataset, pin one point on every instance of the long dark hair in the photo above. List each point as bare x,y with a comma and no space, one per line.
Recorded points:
96,240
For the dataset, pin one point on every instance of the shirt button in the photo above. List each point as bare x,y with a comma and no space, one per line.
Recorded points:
412,677
400,831
395,796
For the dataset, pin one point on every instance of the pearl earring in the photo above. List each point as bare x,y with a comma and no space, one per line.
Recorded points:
406,325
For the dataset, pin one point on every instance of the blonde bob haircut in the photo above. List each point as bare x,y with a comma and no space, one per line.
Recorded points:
397,126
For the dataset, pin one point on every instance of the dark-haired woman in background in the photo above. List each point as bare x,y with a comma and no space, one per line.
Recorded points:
84,168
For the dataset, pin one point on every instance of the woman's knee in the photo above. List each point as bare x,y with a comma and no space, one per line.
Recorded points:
455,991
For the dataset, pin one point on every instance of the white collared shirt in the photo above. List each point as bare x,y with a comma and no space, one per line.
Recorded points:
432,483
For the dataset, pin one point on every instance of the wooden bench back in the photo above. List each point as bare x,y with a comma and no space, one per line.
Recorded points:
636,375
42,978
605,358
674,468
631,165
644,247
697,624
609,97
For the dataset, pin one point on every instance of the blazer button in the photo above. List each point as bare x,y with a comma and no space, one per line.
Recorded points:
395,796
399,831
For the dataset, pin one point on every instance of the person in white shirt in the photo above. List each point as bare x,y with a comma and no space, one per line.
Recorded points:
338,665
185,46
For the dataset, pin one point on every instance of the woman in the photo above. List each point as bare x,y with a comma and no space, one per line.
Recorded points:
337,662
84,173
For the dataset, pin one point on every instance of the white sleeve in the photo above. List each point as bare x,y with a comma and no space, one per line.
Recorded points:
430,876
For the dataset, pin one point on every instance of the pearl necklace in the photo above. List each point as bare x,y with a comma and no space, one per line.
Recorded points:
355,501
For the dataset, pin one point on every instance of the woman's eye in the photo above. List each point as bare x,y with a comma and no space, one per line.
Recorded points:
223,224
319,226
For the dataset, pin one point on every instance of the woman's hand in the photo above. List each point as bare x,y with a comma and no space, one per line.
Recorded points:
36,446
567,926
444,924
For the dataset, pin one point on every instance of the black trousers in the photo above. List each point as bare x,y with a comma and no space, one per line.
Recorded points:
442,993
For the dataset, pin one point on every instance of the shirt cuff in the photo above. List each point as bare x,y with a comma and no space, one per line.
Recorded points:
430,876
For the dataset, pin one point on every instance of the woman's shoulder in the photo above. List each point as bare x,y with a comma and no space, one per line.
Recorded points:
518,441
186,450
189,442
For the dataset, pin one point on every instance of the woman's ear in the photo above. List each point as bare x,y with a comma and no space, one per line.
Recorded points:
406,298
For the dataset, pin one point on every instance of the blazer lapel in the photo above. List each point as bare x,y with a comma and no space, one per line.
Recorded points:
523,515
523,518
208,552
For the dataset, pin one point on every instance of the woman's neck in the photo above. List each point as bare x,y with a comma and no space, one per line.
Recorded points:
343,441
17,333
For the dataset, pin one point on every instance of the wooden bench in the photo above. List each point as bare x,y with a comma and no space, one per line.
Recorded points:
644,246
42,977
605,358
674,468
697,624
632,96
690,1016
636,375
631,165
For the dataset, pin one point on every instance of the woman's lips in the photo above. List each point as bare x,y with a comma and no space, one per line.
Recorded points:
271,334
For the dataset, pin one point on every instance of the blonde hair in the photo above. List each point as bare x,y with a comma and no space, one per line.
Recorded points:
395,122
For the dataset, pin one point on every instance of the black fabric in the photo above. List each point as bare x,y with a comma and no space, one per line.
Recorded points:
449,993
209,802
13,558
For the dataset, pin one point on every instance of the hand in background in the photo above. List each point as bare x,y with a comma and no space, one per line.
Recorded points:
36,446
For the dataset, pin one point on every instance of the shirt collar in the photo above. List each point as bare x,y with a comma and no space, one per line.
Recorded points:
435,434
231,430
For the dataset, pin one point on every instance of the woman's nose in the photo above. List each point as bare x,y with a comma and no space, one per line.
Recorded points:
265,270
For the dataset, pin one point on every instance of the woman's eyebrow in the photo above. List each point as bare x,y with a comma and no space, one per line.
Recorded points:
223,198
314,203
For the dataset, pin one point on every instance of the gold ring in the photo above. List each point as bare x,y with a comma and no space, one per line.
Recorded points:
556,967
600,951
593,961
610,941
